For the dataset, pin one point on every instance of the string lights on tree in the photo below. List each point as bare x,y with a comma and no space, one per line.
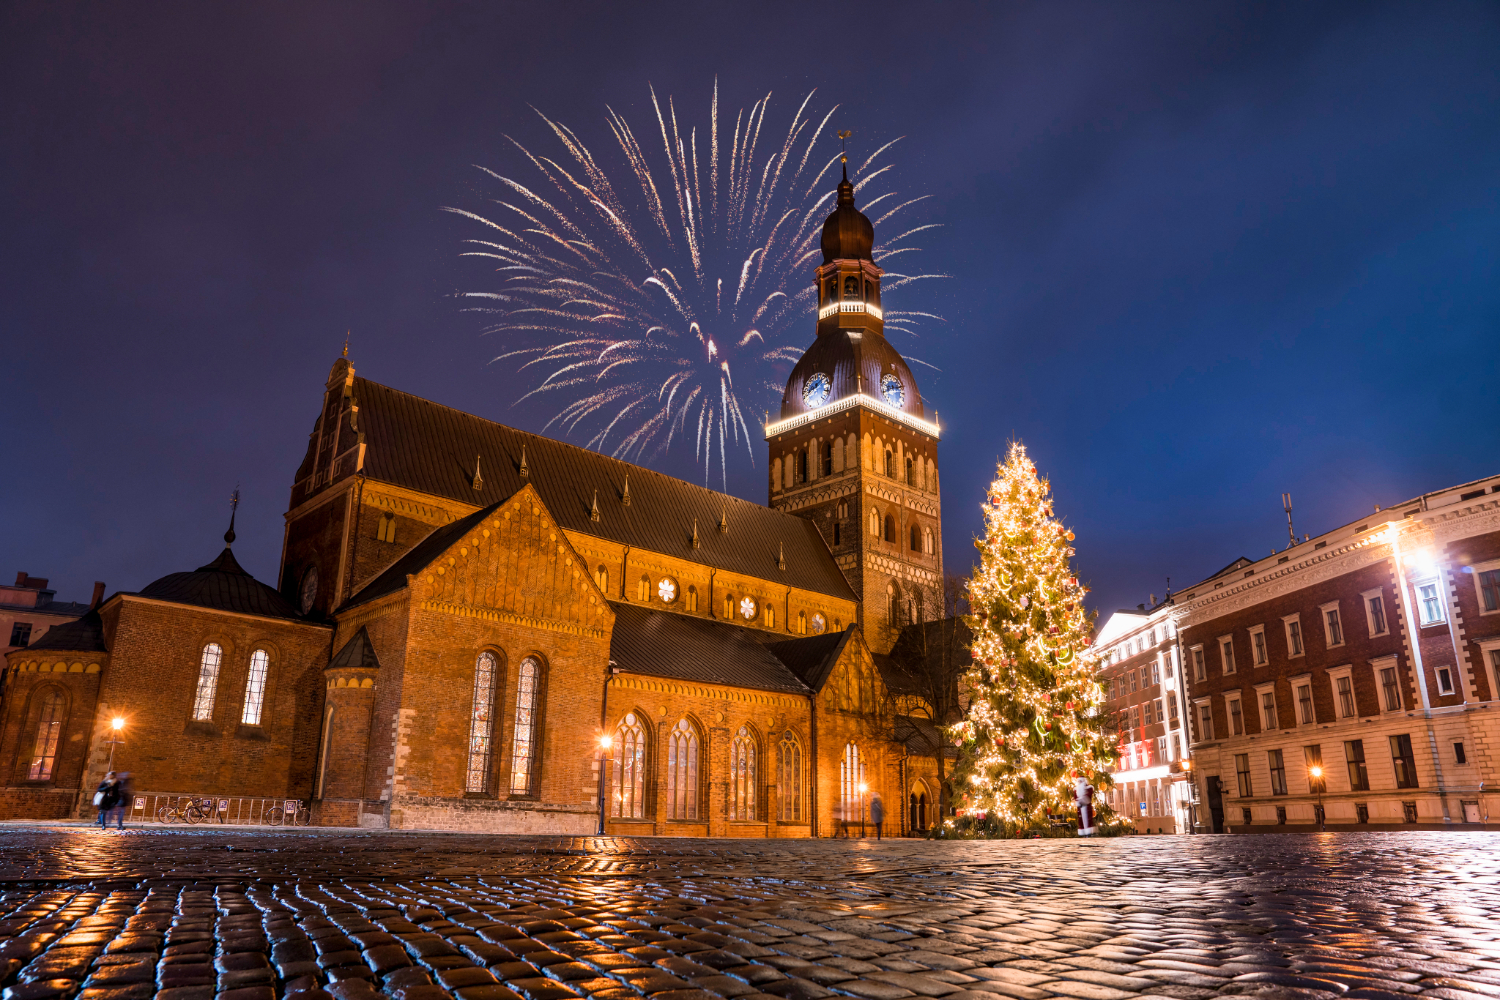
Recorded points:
1035,722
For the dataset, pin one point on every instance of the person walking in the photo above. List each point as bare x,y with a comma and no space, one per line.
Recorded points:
123,793
877,813
841,821
104,798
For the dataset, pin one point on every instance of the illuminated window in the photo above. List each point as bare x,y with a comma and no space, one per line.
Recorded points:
255,688
385,528
1403,761
851,780
481,725
523,744
742,776
682,772
643,589
666,589
628,799
1354,755
48,734
1242,774
789,778
692,598
1312,756
1389,687
208,682
1429,602
770,616
601,577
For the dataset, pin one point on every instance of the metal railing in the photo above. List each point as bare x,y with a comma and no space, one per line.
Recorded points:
223,810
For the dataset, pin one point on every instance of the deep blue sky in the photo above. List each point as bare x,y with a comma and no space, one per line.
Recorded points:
1202,253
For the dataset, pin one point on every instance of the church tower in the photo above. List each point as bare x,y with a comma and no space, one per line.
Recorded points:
855,449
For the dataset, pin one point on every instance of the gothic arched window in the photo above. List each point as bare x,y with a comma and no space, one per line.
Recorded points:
255,688
208,682
890,528
802,465
875,523
523,741
802,623
481,725
910,479
742,776
851,287
890,464
643,588
851,785
601,577
827,450
628,787
692,599
916,539
789,778
682,771
49,725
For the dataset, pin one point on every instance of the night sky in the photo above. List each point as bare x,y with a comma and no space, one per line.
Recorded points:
1200,253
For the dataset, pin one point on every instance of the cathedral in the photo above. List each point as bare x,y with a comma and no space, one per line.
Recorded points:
477,628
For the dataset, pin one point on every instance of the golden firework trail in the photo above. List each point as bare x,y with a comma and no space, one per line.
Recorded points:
635,310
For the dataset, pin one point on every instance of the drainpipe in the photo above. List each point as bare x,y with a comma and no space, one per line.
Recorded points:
812,726
609,674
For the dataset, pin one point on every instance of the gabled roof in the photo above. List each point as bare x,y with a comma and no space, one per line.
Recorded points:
922,737
664,644
419,556
86,634
223,586
357,653
420,445
812,659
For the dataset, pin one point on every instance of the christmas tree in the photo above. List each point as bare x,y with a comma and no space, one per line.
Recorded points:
1035,721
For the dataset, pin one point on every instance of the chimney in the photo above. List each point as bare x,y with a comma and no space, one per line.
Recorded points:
98,594
21,578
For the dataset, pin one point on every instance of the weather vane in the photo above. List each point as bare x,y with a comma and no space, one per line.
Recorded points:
844,152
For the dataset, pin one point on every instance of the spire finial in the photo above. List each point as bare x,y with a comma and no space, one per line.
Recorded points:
594,510
844,152
696,543
781,556
234,505
525,472
478,478
724,521
625,497
347,334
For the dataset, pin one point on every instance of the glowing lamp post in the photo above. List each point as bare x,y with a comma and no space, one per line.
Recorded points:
115,725
605,742
1316,773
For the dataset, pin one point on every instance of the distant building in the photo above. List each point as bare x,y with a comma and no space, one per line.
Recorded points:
1351,680
1140,668
28,610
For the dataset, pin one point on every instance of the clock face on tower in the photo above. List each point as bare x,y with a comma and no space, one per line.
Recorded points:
890,388
815,390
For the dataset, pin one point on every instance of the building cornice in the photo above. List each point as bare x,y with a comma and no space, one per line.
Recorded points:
854,401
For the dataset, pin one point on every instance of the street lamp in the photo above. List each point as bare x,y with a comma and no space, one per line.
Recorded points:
116,724
1316,773
605,742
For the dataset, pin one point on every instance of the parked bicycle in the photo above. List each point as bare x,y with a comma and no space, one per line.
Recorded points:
299,815
189,811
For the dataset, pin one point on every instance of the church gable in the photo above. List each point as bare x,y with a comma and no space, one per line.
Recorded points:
854,684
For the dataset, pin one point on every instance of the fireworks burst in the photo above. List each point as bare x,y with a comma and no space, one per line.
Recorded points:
656,307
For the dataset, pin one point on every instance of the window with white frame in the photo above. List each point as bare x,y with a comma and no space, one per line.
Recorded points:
1388,682
1169,660
1293,626
1490,653
1444,680
1258,650
1236,715
1302,694
1155,673
1487,582
1333,628
1200,673
1226,653
1429,602
1266,698
1375,618
1205,719
1342,682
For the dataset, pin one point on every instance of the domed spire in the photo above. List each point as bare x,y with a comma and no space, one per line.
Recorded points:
847,234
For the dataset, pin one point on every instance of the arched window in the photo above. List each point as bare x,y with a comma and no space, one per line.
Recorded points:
838,454
832,290
802,465
770,616
49,725
802,623
255,688
851,785
682,772
827,450
890,464
875,523
910,481
891,601
208,682
385,528
481,725
916,539
523,742
789,778
692,599
601,577
742,776
919,809
851,287
628,798
890,528
728,607
643,589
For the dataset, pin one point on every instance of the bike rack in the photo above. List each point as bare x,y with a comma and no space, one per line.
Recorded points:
231,810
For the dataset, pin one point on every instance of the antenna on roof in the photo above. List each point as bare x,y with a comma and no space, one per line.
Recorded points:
1286,505
525,472
478,479
234,505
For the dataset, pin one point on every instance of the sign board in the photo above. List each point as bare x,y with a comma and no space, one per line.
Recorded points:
224,805
1143,808
290,805
140,801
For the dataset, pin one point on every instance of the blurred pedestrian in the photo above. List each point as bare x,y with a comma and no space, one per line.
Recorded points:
877,813
123,793
105,796
840,820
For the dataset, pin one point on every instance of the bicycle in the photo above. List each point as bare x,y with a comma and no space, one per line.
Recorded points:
301,815
191,811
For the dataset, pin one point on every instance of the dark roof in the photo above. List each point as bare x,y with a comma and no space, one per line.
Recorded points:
663,644
223,586
812,658
921,736
65,609
852,364
896,680
423,446
417,558
357,653
847,232
85,634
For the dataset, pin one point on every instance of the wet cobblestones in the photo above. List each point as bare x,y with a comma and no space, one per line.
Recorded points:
199,915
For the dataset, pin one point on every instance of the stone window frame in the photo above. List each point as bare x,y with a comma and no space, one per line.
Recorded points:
1298,647
1323,610
1489,656
1200,665
1205,730
268,689
1376,666
1434,580
1260,655
1344,671
1260,708
1233,699
31,729
1489,565
645,768
1227,665
538,724
1298,681
1385,612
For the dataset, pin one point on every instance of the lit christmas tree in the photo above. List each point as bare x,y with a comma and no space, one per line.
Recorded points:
1035,722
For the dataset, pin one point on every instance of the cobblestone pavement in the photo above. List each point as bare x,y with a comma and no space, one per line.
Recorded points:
191,914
